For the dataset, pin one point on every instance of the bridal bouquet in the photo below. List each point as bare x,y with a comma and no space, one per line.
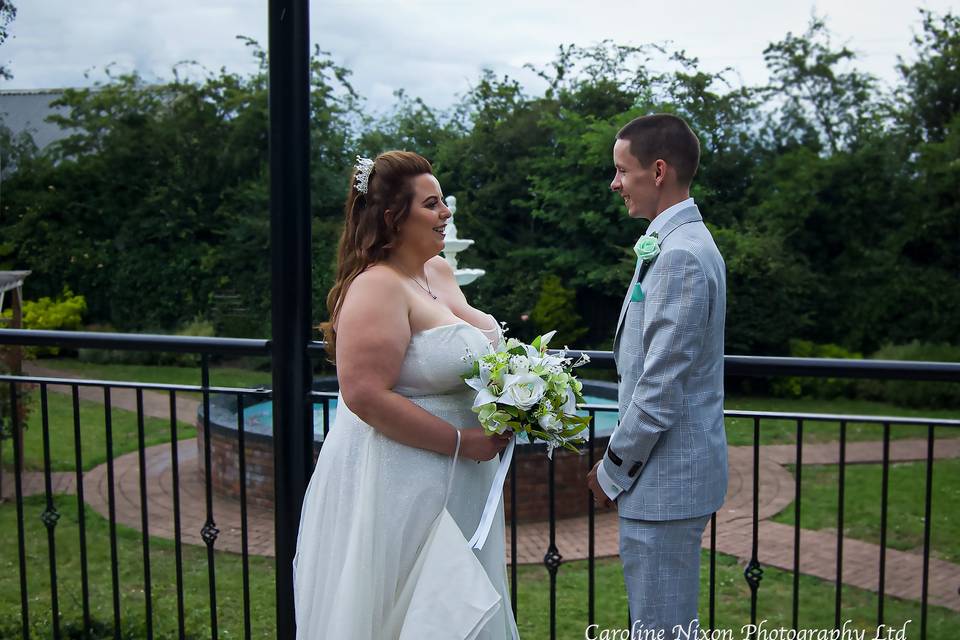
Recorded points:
522,388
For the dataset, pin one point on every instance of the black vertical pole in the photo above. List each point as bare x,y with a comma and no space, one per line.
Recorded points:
289,59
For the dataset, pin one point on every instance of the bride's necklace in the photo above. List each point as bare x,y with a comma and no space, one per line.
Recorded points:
425,278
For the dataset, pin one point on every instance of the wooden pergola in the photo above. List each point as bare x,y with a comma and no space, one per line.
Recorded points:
12,281
12,355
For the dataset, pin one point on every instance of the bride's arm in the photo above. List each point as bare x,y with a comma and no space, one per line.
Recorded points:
373,331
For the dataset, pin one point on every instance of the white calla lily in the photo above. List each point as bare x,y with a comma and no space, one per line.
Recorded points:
570,406
546,338
484,396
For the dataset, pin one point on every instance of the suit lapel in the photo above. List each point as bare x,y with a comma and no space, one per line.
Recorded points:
623,308
685,216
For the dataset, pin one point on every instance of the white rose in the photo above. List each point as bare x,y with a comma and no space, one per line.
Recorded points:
549,422
522,391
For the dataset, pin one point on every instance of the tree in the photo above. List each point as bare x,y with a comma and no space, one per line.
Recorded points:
411,125
831,222
823,99
930,95
486,168
157,202
769,292
556,310
7,13
584,234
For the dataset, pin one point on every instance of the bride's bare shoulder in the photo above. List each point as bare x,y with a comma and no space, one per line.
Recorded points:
439,266
374,277
375,306
377,285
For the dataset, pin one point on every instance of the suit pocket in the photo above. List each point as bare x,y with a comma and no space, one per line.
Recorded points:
634,323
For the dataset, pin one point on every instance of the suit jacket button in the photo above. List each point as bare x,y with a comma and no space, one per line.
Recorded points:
633,470
619,378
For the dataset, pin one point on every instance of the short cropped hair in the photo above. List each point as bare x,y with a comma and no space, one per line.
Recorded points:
664,136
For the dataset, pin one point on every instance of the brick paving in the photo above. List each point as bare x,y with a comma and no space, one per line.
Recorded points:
734,520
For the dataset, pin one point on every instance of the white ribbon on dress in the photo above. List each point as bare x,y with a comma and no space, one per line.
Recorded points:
430,605
493,498
496,488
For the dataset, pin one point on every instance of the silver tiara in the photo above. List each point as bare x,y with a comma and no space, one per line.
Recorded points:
363,167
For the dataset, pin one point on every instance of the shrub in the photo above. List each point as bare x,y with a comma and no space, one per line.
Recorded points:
199,327
64,314
920,394
556,309
100,356
807,387
196,327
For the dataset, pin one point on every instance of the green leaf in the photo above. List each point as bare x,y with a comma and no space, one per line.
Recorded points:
570,447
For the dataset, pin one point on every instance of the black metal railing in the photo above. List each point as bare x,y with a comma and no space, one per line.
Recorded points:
173,614
51,515
754,571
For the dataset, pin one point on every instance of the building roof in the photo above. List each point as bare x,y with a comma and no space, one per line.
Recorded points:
12,279
27,110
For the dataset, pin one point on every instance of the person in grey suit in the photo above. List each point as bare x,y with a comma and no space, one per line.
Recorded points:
665,467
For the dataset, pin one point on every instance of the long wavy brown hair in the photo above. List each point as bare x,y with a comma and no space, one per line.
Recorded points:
368,234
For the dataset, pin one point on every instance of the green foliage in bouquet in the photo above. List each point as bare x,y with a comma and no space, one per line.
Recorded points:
525,389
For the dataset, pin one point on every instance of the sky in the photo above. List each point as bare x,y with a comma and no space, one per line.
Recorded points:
433,49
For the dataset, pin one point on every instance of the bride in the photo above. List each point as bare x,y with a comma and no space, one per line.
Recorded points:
378,556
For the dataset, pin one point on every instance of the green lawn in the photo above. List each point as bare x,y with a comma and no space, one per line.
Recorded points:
740,430
219,376
774,602
163,573
906,494
733,601
92,433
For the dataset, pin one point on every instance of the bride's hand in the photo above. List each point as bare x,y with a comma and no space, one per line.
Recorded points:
477,445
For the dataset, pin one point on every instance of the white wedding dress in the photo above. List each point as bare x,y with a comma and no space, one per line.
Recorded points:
378,557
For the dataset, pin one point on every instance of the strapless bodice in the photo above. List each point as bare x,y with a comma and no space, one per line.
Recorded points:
435,360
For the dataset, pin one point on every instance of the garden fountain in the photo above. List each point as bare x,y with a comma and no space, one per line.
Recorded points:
452,245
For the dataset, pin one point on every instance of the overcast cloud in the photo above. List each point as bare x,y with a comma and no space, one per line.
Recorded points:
431,48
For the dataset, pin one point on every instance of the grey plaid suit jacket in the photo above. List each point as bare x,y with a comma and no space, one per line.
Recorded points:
669,450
